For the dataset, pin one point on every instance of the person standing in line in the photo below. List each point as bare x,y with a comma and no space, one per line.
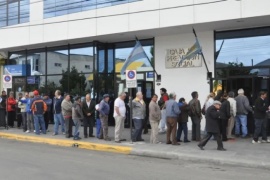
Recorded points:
209,102
212,126
11,108
29,113
138,116
196,116
154,118
88,108
232,115
38,107
261,107
119,116
98,122
57,111
243,107
47,114
104,111
22,106
66,106
163,98
172,113
77,116
18,112
182,121
3,104
225,113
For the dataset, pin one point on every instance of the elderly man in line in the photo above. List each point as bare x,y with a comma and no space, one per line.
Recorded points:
104,111
242,109
119,116
154,118
138,116
172,113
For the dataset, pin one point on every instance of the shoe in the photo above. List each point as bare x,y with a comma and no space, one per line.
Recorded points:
201,147
122,139
237,135
162,132
107,139
54,134
266,141
169,142
117,141
221,149
176,144
224,139
71,136
91,136
140,140
256,142
64,133
85,136
186,141
27,131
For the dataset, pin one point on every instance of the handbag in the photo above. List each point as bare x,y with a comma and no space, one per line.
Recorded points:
203,110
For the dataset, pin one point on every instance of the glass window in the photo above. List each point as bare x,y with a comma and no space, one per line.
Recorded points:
82,59
53,83
13,13
37,61
110,60
3,13
141,65
24,11
59,56
61,7
101,61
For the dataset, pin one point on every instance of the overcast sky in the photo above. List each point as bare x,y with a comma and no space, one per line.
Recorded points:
244,49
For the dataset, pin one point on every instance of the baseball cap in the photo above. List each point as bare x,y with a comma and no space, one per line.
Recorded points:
106,95
36,92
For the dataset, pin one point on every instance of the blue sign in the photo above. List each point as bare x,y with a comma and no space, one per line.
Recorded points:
131,74
32,80
18,70
150,75
7,78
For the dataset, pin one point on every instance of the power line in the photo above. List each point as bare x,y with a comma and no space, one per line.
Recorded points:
80,19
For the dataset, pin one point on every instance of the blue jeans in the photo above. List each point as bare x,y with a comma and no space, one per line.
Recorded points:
98,127
182,127
241,120
77,124
58,118
137,134
39,121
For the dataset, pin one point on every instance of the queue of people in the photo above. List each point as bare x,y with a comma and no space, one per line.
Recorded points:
223,113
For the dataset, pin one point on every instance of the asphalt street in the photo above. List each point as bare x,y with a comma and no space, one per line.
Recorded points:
23,160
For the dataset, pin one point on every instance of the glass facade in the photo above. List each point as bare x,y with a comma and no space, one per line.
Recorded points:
14,12
78,69
53,8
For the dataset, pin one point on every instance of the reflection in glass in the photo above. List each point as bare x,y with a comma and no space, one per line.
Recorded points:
24,11
141,65
37,62
83,59
57,61
3,14
240,52
13,13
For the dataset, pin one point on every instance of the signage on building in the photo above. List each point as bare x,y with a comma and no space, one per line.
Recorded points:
150,75
33,80
19,81
18,70
7,81
173,56
131,79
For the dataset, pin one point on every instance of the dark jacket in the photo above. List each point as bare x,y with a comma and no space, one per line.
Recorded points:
57,105
38,106
184,108
3,103
212,120
260,108
91,109
225,110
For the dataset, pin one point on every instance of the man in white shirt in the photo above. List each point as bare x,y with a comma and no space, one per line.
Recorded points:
119,116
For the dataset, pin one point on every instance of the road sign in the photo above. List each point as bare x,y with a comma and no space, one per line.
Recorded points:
7,81
131,79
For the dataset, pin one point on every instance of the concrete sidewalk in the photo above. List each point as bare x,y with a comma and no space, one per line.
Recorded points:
240,152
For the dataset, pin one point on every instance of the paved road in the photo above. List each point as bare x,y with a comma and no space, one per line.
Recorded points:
22,160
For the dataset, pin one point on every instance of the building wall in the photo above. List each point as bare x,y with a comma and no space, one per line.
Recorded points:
142,15
183,81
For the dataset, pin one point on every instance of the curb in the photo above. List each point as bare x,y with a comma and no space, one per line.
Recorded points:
69,143
200,159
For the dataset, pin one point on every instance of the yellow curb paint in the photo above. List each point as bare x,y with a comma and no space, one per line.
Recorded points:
68,143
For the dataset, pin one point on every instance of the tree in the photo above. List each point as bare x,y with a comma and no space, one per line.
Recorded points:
75,80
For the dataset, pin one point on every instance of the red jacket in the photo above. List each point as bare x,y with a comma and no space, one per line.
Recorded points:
11,104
